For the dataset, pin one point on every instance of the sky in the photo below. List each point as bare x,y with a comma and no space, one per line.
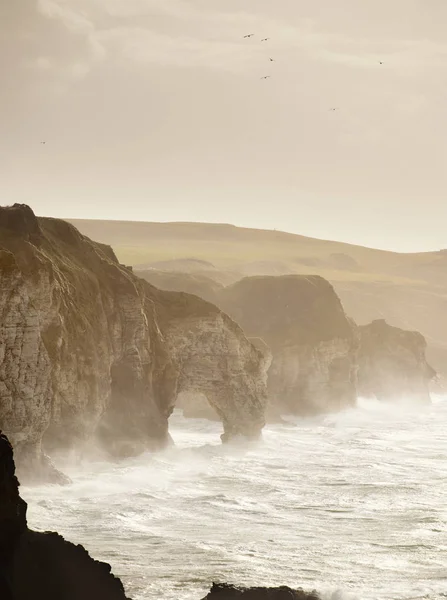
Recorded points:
156,110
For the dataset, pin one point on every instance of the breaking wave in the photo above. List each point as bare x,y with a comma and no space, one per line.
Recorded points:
352,505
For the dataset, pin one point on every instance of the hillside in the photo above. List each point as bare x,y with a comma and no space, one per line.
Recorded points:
409,290
229,247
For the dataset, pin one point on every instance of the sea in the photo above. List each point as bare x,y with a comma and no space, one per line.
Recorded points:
352,505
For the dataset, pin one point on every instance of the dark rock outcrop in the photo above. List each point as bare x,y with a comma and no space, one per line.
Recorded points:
37,565
224,591
312,341
392,364
89,350
12,507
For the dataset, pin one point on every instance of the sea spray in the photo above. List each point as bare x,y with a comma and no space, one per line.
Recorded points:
350,504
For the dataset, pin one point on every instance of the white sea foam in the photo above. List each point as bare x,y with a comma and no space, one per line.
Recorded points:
352,505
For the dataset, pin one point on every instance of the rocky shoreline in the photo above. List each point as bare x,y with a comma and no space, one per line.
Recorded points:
36,565
320,359
44,566
91,354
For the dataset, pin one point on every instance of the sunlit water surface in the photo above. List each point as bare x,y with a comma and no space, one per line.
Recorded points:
353,505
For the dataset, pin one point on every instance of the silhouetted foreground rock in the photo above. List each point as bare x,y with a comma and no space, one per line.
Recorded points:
224,591
43,566
90,351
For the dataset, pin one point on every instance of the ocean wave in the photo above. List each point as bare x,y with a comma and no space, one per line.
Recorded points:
348,504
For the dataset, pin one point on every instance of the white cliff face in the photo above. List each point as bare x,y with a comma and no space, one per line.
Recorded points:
89,350
25,367
314,379
62,338
313,343
237,391
309,345
196,405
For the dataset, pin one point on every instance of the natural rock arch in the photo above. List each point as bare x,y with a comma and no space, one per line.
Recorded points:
89,349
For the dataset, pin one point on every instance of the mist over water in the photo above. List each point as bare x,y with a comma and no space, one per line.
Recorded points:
352,505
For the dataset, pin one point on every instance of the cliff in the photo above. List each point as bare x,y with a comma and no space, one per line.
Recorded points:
89,350
43,565
317,349
313,343
407,289
299,326
196,406
392,363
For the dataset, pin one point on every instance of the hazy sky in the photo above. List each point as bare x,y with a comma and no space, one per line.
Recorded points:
155,110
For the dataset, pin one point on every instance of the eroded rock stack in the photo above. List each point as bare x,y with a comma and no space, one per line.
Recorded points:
320,360
392,364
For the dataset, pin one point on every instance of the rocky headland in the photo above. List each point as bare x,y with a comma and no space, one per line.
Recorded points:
392,364
89,351
320,359
313,343
299,322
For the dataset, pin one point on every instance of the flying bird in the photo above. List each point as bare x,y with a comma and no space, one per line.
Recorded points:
249,35
43,142
271,59
265,40
380,62
266,77
333,109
